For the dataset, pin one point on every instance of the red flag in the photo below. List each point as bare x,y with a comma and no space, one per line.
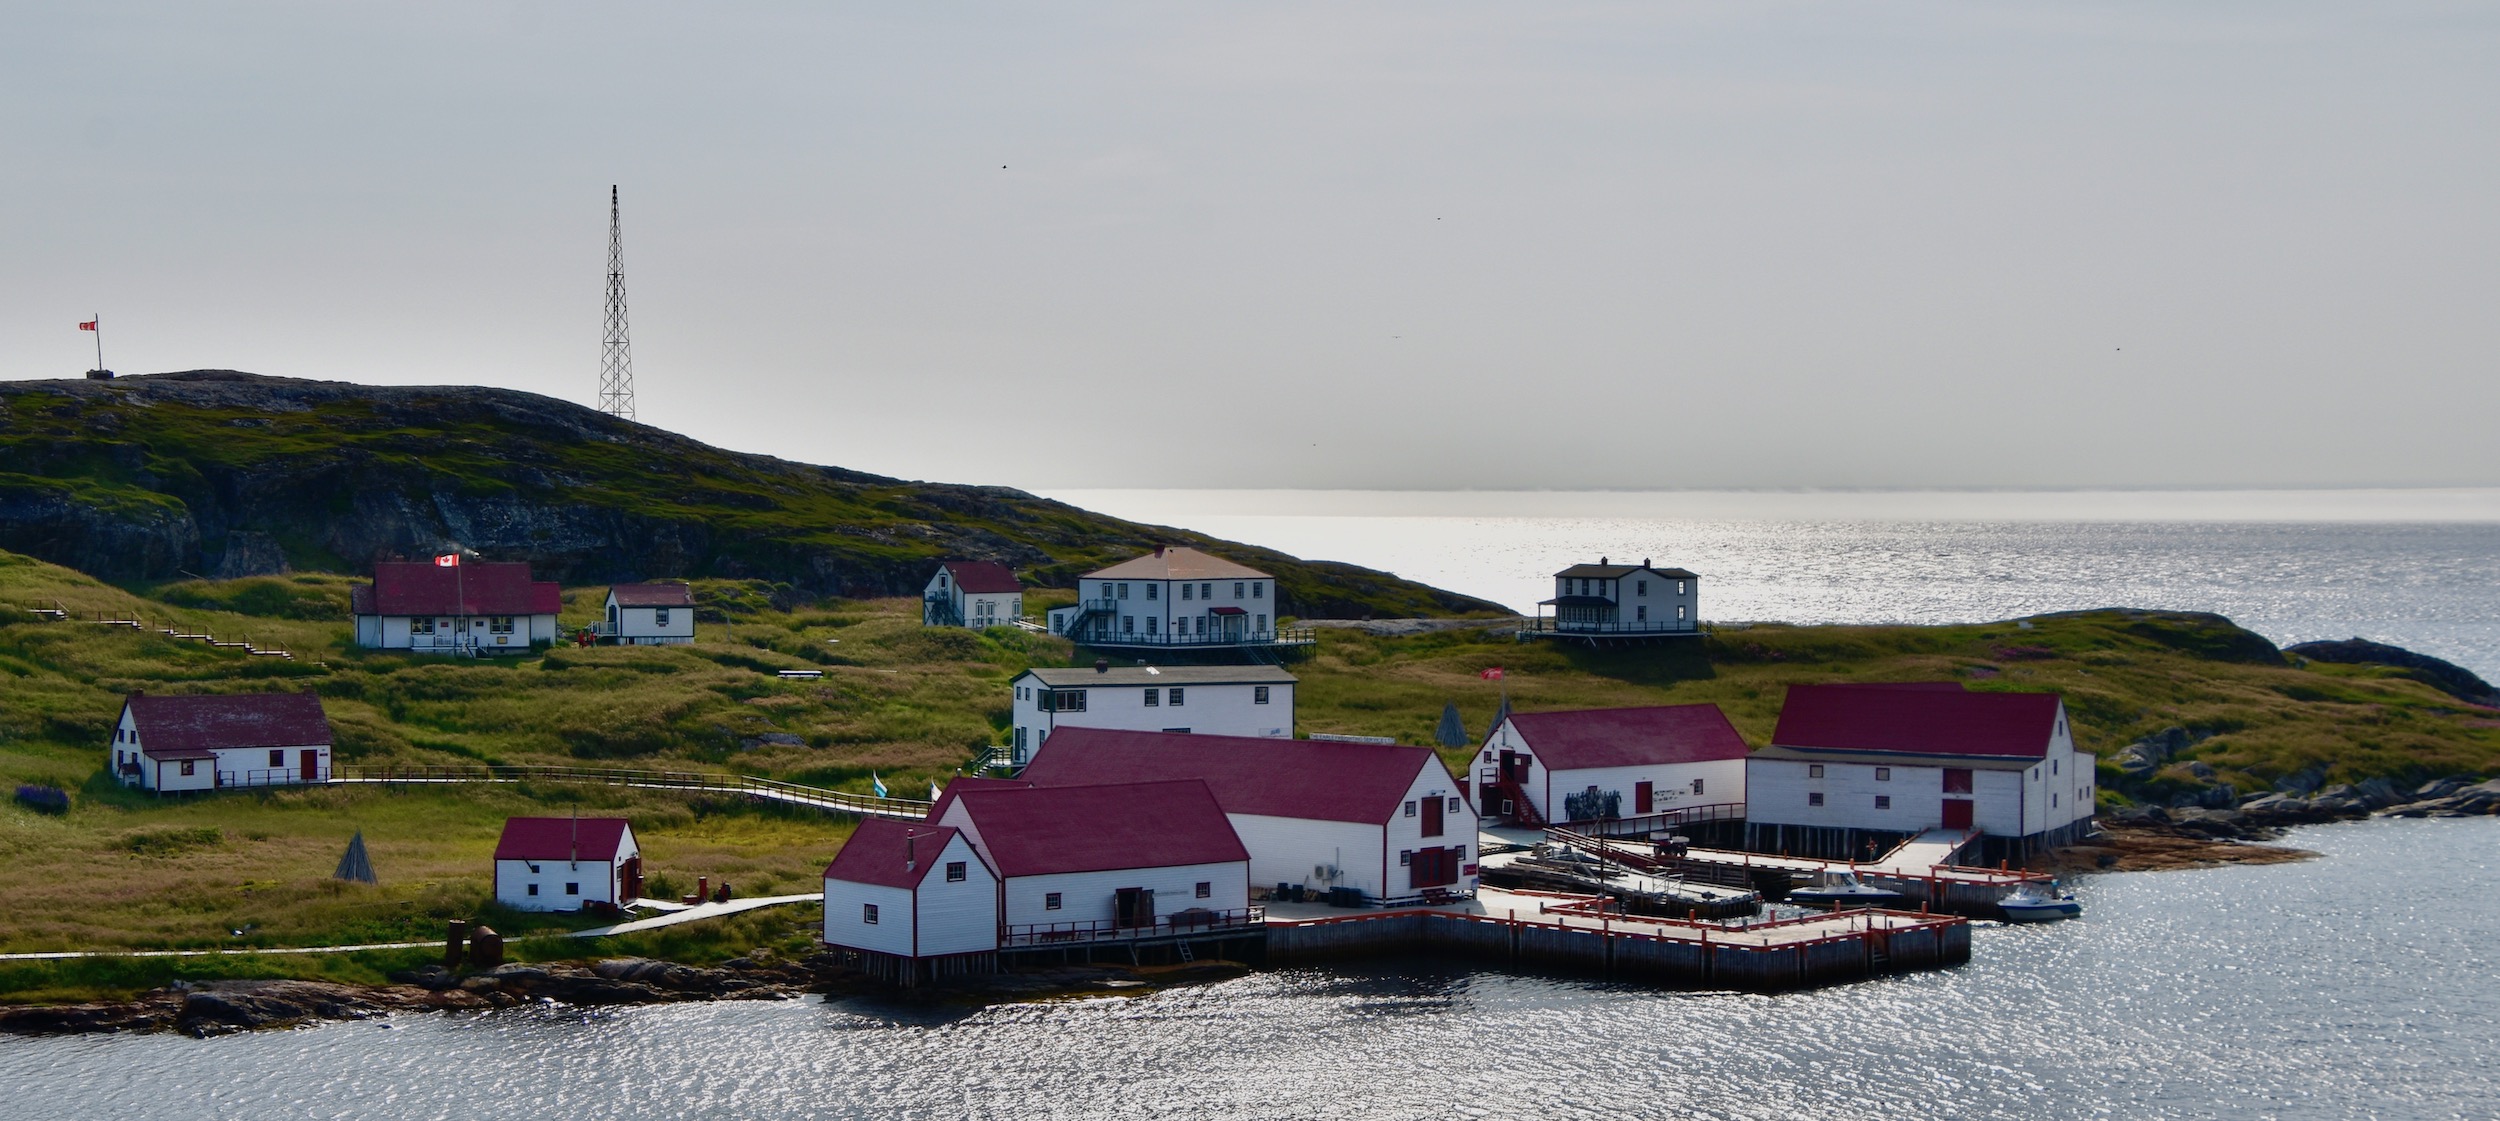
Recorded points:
87,326
447,560
1491,674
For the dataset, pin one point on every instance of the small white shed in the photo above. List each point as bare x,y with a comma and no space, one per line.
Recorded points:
649,615
566,863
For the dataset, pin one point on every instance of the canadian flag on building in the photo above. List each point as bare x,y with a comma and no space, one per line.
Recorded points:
447,560
1490,673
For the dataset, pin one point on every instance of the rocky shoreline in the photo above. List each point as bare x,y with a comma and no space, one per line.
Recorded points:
224,1007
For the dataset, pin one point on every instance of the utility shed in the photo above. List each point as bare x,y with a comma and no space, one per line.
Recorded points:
649,615
914,901
165,743
564,863
1081,860
1610,762
1854,764
1383,819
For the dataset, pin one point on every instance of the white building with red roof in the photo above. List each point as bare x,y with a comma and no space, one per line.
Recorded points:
1610,763
648,615
473,607
1176,598
165,743
972,594
566,863
1078,862
916,901
1207,700
1851,765
1386,820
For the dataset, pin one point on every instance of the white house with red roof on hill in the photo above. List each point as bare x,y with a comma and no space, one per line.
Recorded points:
165,743
1610,762
455,606
915,901
1385,820
972,594
1081,861
1851,766
566,863
648,615
1177,597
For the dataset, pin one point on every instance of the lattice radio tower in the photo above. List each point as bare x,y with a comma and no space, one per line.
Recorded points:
616,365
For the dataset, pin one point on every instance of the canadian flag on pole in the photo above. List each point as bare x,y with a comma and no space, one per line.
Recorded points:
447,560
87,326
1490,673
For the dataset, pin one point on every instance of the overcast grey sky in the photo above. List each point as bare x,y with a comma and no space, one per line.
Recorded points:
1434,245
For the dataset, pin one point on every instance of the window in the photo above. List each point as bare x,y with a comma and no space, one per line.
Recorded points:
1453,805
2052,766
1206,889
2035,774
1640,587
1153,591
277,758
1641,614
1405,857
1128,624
1883,801
1814,799
1189,591
659,617
1679,587
954,871
420,626
1153,696
1066,700
186,767
1957,780
1237,589
1679,614
1883,774
573,889
1019,739
1814,770
1206,591
1202,624
1050,902
1262,625
533,889
502,624
1258,590
1696,786
1258,694
1176,696
2052,800
1123,591
868,913
1151,620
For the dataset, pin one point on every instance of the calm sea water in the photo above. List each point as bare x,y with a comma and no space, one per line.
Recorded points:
2420,569
2355,986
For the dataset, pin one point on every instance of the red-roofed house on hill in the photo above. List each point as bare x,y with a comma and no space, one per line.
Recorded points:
1085,861
1383,819
205,743
913,901
1178,598
1610,762
473,607
565,863
1854,766
648,615
972,594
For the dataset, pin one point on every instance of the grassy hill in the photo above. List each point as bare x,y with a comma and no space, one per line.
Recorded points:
909,705
224,474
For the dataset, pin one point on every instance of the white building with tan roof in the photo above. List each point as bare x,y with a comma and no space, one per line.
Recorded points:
1179,597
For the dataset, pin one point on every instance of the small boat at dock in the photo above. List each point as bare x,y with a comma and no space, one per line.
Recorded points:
2031,902
1843,890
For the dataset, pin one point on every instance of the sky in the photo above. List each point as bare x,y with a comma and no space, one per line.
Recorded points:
1282,245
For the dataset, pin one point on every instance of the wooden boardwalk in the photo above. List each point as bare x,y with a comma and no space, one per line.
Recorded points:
762,789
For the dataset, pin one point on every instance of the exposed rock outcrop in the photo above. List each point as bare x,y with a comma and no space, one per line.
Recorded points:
2439,673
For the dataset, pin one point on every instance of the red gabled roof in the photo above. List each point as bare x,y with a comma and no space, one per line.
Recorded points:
1923,718
194,727
982,576
561,838
1629,737
1038,831
946,797
889,853
471,588
1321,780
652,595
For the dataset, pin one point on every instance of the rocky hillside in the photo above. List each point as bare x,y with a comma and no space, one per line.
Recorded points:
223,474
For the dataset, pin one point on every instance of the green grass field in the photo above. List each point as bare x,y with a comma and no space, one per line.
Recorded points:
907,704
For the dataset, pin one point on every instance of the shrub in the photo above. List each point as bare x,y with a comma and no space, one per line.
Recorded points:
44,799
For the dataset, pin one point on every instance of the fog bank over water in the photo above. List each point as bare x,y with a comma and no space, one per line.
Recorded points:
2418,568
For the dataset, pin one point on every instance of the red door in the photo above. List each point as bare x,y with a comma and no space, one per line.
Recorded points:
311,765
1957,813
1432,816
1514,767
1641,798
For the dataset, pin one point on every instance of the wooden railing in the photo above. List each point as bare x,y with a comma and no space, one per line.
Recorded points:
1663,821
1572,626
791,793
1177,924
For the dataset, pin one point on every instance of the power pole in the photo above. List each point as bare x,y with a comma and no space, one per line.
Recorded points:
616,365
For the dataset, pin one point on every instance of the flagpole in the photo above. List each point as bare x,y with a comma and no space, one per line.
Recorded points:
99,340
